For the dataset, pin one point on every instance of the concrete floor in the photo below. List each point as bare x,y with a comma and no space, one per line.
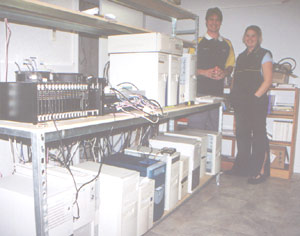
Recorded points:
236,208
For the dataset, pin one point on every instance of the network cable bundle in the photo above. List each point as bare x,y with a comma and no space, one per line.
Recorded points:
40,102
152,64
133,101
201,137
147,167
18,215
171,158
187,147
117,192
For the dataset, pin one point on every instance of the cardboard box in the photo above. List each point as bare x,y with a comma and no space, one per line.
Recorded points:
281,74
280,78
277,156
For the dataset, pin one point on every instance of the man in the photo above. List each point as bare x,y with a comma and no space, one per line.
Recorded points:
215,61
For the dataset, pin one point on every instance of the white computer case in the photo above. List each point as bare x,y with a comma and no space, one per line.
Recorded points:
187,147
145,42
17,207
188,78
202,138
183,177
147,71
172,170
145,205
214,144
117,191
84,208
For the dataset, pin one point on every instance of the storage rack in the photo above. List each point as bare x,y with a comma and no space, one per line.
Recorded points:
41,134
49,16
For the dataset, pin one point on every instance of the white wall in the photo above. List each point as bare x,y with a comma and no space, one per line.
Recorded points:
124,15
57,50
278,19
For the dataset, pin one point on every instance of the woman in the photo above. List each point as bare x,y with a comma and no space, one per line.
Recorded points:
252,79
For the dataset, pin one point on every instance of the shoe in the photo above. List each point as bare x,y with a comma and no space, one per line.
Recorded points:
257,179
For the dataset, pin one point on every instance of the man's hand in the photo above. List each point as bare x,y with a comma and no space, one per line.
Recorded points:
215,73
218,73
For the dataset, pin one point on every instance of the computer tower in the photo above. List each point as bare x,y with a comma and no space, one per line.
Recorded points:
147,71
17,207
145,42
145,205
202,139
116,199
147,167
173,80
188,78
183,177
84,207
172,169
187,147
214,139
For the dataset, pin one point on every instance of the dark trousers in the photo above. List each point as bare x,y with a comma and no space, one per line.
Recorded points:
251,136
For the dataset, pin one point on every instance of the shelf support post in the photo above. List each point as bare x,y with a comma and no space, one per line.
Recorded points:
174,25
39,183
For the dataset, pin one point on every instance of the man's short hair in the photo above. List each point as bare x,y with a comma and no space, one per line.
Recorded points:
214,11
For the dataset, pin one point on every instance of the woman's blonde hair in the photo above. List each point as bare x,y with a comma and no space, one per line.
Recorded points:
257,30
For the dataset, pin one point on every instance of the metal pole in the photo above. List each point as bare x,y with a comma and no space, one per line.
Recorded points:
39,183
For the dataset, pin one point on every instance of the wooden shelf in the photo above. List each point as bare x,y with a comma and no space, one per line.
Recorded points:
161,9
283,115
39,14
283,89
280,173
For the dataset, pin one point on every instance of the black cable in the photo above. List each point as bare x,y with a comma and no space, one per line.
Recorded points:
285,61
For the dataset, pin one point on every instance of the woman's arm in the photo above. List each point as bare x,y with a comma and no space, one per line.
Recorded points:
267,69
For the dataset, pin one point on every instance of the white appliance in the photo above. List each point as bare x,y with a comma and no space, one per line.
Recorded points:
187,147
147,71
172,170
17,207
145,42
202,138
84,208
214,144
188,78
145,205
173,80
183,177
117,191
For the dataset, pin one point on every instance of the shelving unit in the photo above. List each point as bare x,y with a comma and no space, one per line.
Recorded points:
49,16
287,171
41,134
